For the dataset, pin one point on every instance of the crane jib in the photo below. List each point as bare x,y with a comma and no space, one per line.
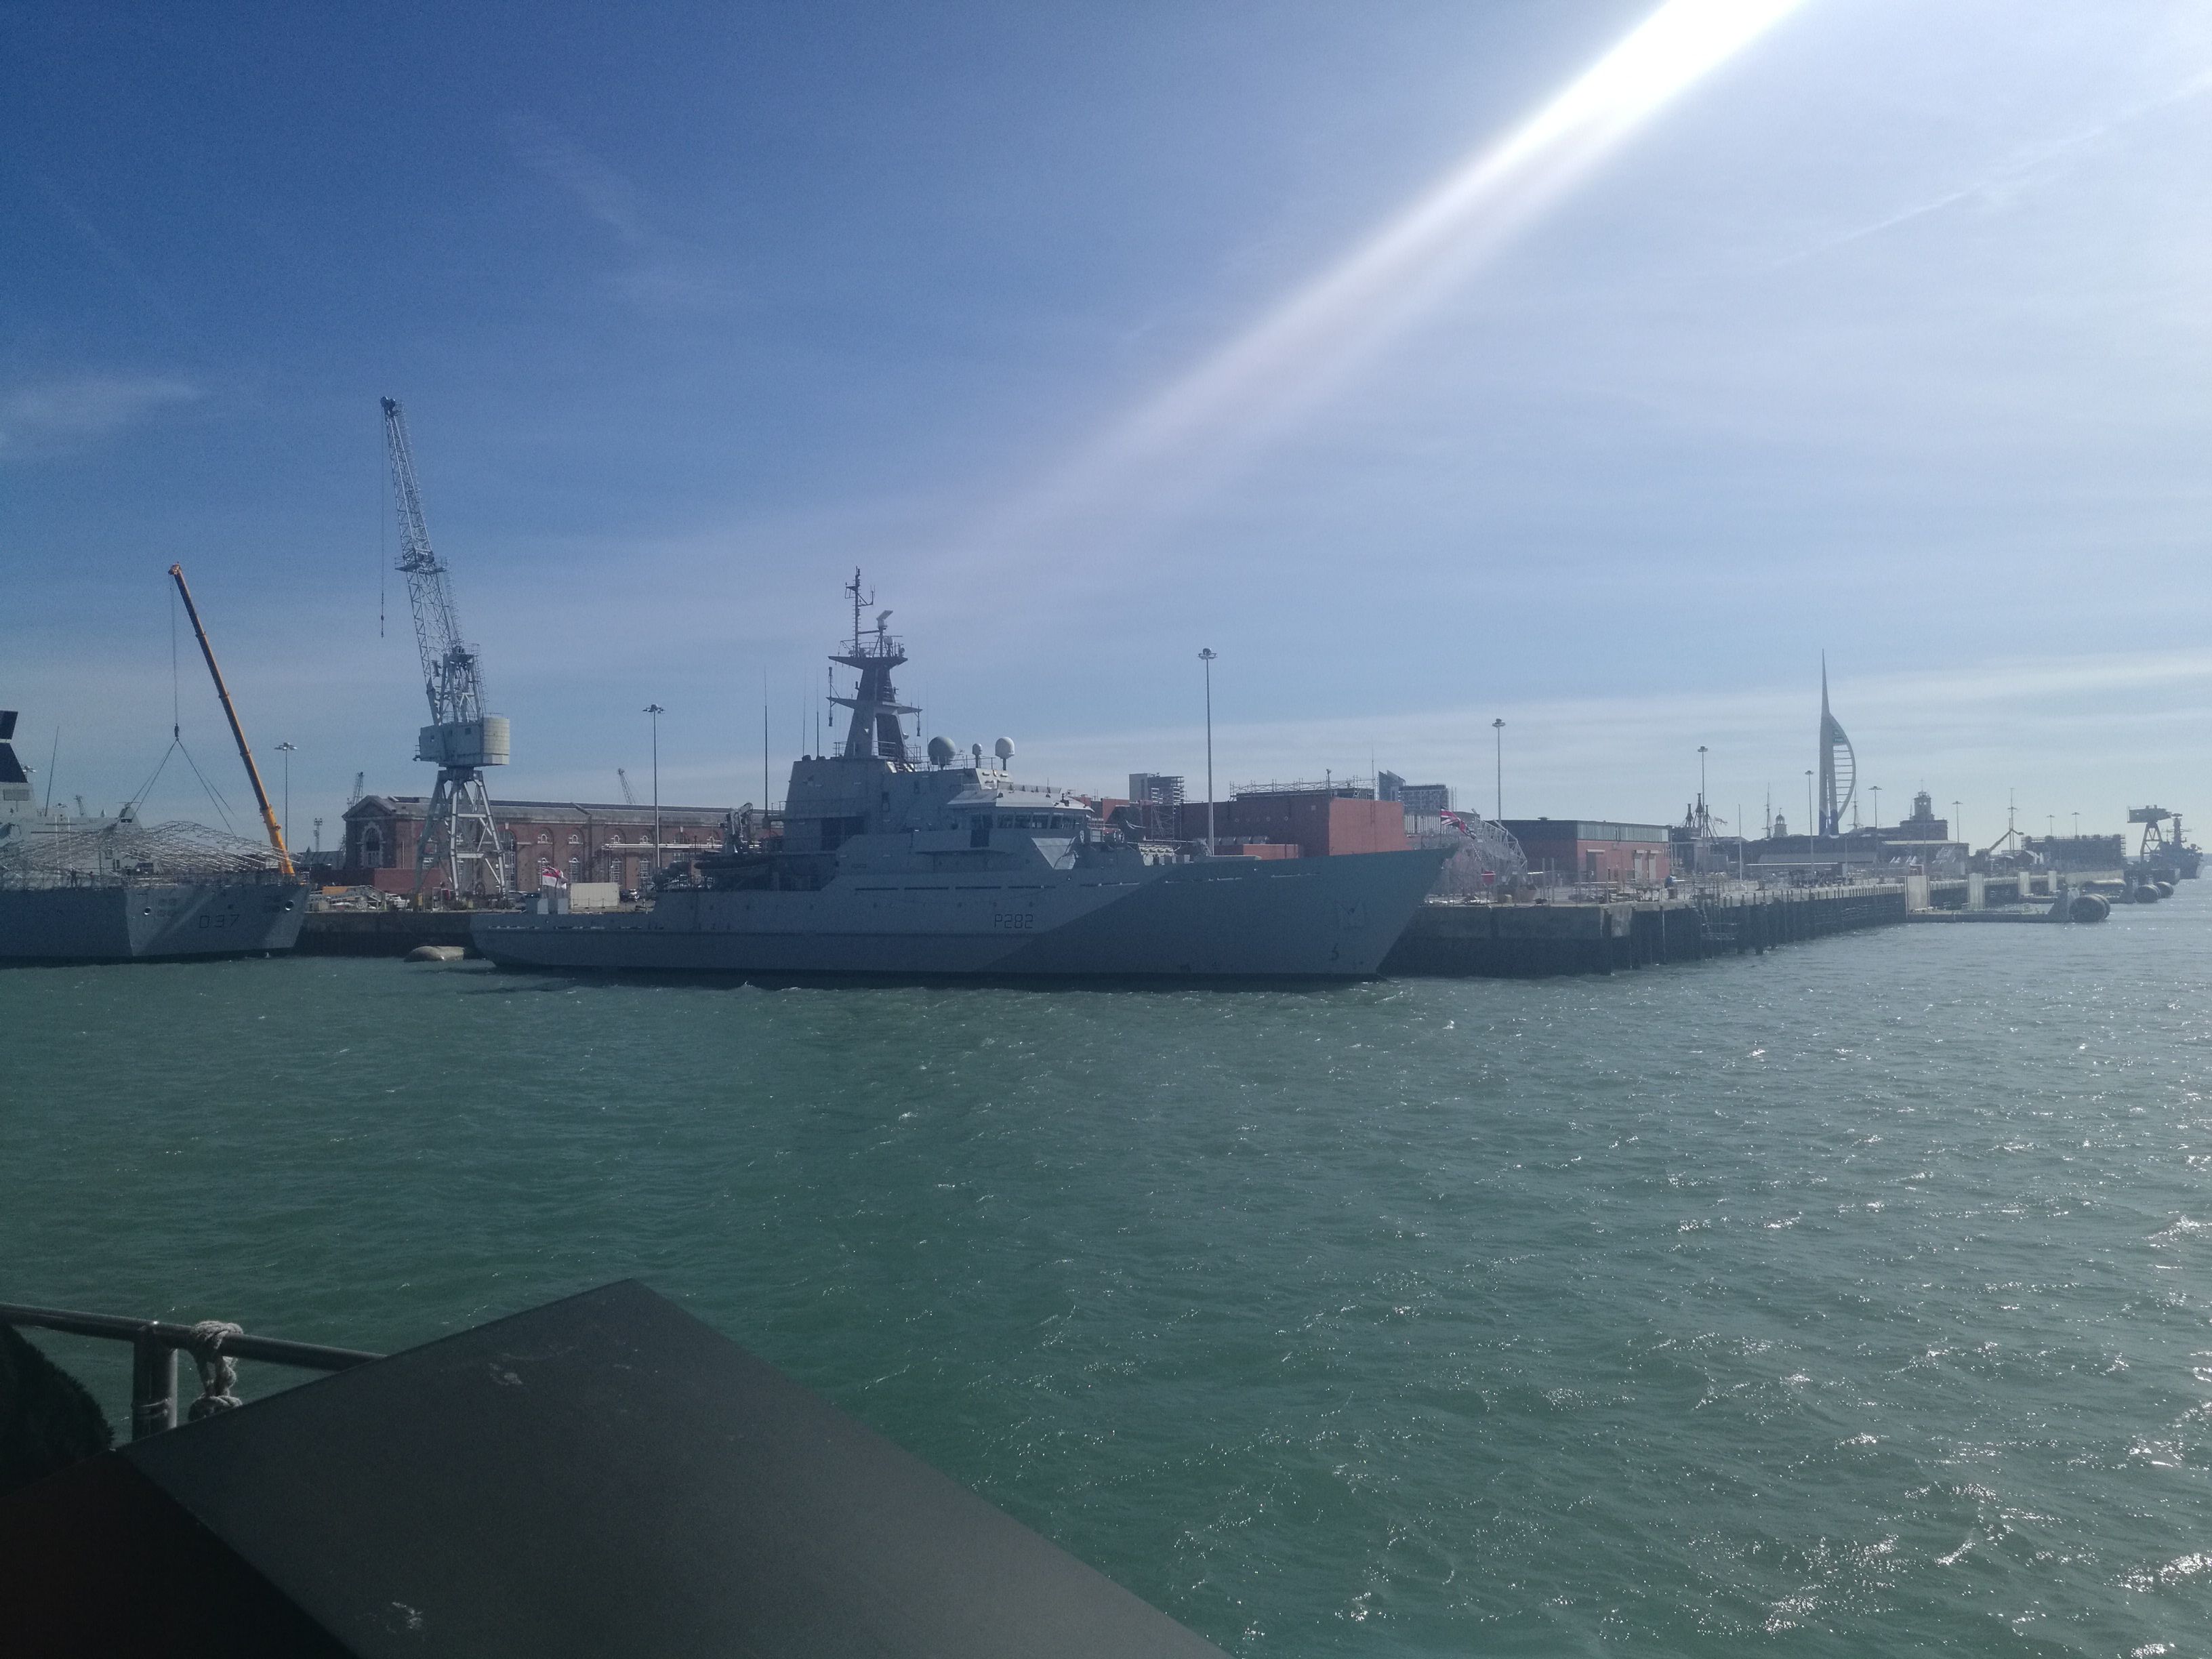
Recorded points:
237,730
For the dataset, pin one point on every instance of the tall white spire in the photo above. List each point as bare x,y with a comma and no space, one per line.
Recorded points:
1838,764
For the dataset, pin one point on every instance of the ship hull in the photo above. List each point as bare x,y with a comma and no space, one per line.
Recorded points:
1220,919
152,921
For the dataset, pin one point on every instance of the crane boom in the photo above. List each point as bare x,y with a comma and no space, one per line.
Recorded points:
237,731
451,677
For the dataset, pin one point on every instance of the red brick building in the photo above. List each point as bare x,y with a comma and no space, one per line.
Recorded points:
1320,822
1594,850
583,841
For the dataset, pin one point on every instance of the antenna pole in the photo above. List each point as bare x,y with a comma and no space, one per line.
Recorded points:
237,731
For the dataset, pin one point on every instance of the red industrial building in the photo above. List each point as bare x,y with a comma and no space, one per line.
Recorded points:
1318,822
1594,850
583,840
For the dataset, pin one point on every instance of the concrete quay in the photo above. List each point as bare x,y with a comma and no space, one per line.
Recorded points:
380,933
1450,937
1458,938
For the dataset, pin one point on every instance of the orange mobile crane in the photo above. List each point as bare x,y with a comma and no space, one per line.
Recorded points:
230,710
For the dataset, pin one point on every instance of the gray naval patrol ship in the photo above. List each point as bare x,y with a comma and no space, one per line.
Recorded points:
93,889
906,867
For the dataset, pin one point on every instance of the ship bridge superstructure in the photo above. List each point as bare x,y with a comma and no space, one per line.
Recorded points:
15,800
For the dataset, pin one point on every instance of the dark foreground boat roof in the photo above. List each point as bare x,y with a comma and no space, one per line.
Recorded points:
605,1475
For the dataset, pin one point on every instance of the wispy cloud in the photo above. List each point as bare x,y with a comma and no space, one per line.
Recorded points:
100,244
2017,174
661,273
57,417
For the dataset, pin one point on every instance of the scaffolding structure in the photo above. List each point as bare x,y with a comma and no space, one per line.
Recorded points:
120,852
1485,856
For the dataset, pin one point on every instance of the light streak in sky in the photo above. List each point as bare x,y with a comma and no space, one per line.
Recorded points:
1277,367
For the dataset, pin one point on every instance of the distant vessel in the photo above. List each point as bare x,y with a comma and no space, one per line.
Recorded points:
97,889
2166,854
894,865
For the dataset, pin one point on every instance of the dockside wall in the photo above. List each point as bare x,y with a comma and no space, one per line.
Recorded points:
1516,941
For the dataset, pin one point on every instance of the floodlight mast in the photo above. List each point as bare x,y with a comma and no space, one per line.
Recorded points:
458,833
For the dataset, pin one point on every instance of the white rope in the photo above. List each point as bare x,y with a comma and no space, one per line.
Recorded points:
218,1371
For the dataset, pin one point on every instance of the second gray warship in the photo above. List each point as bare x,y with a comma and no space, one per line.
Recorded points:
907,867
95,889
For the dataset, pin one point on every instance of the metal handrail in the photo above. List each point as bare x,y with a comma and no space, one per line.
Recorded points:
155,1344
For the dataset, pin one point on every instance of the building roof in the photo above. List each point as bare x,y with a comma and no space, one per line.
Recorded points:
1302,791
1527,829
544,811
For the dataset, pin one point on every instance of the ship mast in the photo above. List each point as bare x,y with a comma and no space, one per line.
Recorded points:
877,731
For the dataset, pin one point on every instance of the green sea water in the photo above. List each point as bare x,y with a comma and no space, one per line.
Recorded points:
1850,1299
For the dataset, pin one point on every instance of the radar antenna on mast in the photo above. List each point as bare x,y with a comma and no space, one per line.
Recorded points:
458,835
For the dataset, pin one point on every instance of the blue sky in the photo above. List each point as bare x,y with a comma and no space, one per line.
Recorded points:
1887,337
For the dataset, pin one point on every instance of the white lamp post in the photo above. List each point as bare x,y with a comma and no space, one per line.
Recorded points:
656,711
1498,731
1205,656
286,749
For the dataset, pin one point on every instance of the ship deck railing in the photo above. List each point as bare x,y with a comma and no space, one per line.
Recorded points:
156,1344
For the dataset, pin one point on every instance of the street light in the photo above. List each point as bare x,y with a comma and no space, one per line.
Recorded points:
2077,826
1875,790
1705,825
1959,827
1808,817
286,750
1497,728
1205,656
656,711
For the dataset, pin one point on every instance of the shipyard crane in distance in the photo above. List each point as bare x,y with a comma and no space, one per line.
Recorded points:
629,795
237,730
458,835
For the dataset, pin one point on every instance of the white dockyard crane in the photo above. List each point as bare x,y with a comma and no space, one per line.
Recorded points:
457,832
